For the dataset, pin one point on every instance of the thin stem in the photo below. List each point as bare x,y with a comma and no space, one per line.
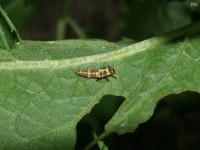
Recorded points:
61,29
65,20
94,142
62,21
77,29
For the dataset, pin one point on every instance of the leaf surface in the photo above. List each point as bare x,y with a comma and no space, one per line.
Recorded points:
42,101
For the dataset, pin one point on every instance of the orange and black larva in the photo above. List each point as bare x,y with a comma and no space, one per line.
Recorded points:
100,73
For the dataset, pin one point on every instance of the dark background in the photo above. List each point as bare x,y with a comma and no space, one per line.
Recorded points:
175,124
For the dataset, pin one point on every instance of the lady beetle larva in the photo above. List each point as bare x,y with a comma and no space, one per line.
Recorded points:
98,74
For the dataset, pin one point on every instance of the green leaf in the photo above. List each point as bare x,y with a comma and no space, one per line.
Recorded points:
40,107
8,34
157,72
42,99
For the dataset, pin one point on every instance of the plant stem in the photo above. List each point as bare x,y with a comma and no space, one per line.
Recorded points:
77,29
65,20
62,21
94,142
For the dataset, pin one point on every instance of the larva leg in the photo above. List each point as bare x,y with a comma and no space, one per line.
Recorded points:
107,79
113,76
103,78
98,79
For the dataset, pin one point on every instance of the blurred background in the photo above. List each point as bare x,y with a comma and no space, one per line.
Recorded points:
112,20
175,124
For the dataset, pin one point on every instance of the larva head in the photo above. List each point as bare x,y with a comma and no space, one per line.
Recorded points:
111,70
78,71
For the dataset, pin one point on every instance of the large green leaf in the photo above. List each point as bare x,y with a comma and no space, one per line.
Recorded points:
153,74
42,99
40,107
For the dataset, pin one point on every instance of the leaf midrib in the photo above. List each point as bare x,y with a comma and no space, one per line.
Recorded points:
65,63
123,52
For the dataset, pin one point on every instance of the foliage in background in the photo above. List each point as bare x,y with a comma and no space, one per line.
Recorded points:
150,18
